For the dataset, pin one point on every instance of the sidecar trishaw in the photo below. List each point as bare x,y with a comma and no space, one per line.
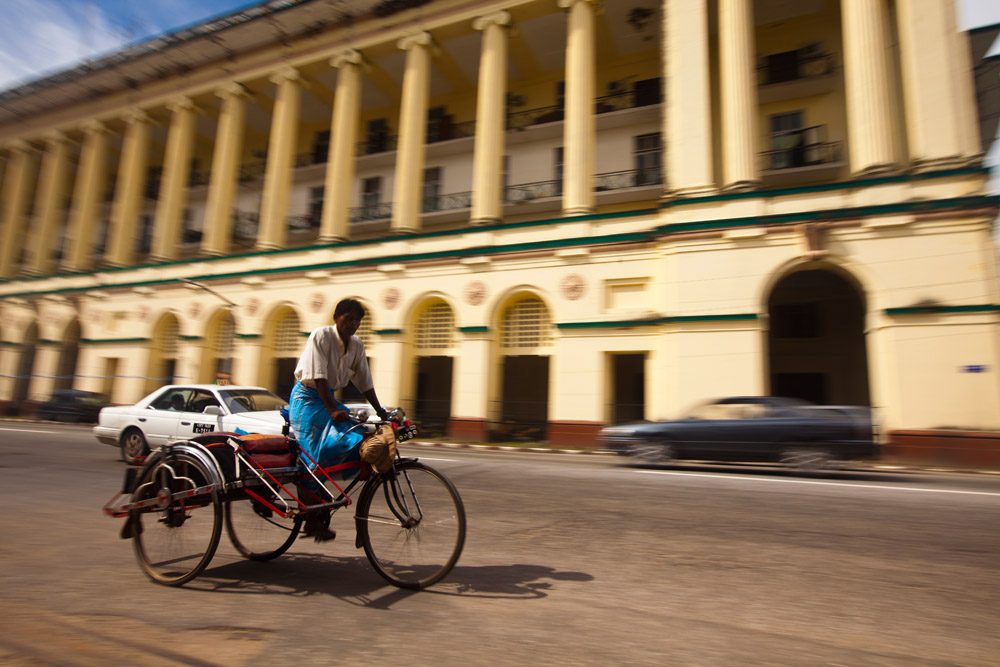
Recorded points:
409,517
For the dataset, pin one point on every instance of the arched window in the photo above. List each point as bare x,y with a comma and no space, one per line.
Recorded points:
366,330
435,327
525,324
287,337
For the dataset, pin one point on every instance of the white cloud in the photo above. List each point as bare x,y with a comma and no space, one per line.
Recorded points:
41,37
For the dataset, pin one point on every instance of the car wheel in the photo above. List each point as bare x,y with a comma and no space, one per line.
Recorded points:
808,459
653,452
134,447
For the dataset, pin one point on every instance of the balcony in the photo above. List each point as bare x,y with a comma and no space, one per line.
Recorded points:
801,156
370,213
794,74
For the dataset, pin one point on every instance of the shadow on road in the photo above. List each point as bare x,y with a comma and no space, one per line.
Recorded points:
353,580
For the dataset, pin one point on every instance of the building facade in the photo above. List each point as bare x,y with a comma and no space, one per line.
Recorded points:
558,214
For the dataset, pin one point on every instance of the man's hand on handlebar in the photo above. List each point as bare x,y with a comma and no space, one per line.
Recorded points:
340,416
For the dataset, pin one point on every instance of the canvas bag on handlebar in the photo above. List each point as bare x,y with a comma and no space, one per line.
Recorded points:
380,449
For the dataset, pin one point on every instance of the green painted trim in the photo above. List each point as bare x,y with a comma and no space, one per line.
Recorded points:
8,343
647,235
388,332
473,329
656,321
247,336
105,341
305,334
737,317
191,337
933,310
42,341
831,214
340,244
827,187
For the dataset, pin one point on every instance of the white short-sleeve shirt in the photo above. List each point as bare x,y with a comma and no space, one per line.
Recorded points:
325,357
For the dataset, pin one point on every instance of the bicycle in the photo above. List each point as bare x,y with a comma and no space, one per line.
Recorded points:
409,518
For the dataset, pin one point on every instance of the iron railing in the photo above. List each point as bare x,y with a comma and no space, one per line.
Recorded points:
310,158
800,148
302,222
449,202
775,70
377,144
445,130
251,171
522,119
633,178
371,212
529,191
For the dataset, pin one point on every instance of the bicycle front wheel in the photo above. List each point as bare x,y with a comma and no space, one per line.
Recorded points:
177,537
411,522
257,531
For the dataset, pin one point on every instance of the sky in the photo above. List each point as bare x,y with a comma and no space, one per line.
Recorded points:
41,37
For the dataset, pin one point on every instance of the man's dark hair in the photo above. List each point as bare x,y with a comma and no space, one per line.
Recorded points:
349,306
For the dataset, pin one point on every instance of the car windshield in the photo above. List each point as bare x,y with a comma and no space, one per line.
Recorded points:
252,400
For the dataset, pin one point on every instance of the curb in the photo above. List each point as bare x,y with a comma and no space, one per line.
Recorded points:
509,448
870,467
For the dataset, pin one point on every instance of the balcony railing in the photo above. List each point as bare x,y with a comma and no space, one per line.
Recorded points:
523,119
450,202
299,223
251,171
800,148
529,191
371,212
633,178
779,69
445,130
310,158
375,145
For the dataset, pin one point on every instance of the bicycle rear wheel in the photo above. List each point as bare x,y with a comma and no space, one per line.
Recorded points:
257,531
175,539
411,523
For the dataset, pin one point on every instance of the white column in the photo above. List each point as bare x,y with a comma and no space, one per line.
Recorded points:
410,157
176,177
869,121
225,170
132,174
343,136
16,182
53,183
280,160
88,196
487,161
687,119
739,94
579,139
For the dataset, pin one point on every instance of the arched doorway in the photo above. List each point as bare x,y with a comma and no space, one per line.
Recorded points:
816,340
282,346
163,352
68,356
366,332
220,350
25,365
525,348
434,345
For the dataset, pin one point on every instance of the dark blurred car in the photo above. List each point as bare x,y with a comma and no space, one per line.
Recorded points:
72,405
752,428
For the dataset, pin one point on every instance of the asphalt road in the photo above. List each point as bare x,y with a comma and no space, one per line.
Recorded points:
570,560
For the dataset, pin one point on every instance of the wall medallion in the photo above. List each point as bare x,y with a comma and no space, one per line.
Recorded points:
475,293
391,297
572,286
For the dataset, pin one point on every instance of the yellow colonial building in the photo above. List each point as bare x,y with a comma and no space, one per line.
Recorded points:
558,213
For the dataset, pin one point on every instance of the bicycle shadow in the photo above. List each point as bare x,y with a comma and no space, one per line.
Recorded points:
352,580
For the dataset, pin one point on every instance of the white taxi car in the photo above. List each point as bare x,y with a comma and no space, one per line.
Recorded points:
178,412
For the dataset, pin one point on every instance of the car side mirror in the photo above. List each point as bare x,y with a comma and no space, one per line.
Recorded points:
212,410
